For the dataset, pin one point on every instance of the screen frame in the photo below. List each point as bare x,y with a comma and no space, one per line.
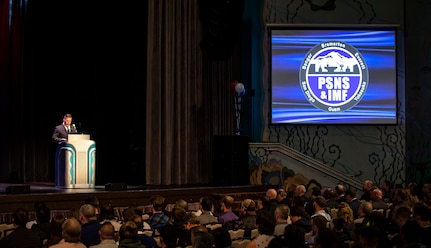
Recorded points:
336,27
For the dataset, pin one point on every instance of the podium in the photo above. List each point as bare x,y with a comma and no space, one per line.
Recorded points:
75,162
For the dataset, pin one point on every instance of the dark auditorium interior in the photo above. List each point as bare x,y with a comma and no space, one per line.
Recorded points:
153,84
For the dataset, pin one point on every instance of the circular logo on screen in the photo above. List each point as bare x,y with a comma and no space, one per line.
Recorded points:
333,76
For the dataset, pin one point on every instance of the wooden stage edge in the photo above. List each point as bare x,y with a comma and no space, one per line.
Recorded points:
25,195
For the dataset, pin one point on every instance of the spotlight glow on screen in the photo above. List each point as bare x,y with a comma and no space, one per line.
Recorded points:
333,75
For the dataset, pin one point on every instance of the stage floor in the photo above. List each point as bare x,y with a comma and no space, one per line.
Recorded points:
13,196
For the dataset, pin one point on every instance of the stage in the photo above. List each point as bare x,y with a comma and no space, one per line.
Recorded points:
13,196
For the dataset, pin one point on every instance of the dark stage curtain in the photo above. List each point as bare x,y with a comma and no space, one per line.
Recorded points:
188,94
17,145
119,72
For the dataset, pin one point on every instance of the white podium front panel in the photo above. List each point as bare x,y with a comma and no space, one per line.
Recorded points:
76,162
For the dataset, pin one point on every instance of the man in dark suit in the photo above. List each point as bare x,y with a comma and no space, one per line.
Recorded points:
377,200
352,201
61,131
21,236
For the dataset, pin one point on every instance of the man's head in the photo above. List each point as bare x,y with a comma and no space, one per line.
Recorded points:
20,217
350,194
207,204
368,185
67,119
71,230
376,195
157,203
227,203
87,212
129,230
281,194
300,190
271,194
282,212
107,231
340,190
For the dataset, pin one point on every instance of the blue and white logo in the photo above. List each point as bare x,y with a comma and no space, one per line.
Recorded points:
334,76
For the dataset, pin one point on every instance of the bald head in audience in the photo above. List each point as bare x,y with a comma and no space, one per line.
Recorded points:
71,230
107,231
271,194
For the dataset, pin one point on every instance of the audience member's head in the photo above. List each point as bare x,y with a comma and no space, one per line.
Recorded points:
350,194
182,203
128,213
94,202
71,230
410,233
248,205
107,212
326,238
369,236
43,214
345,212
282,212
221,237
318,222
157,203
129,230
107,231
266,224
422,214
20,217
169,236
87,212
73,212
55,229
271,194
227,202
207,204
203,240
196,229
179,214
294,236
138,220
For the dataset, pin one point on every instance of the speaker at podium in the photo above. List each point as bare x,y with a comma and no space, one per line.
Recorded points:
75,162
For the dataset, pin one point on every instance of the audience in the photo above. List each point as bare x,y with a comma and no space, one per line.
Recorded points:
90,225
158,217
107,214
203,240
71,235
221,237
145,239
107,236
320,208
300,218
265,227
56,230
422,215
281,215
353,202
227,214
129,236
407,224
206,206
21,236
41,227
168,236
